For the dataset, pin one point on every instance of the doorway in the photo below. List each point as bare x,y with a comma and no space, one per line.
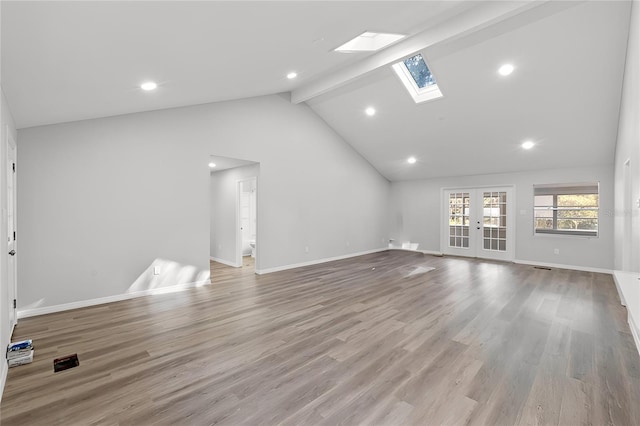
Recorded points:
478,222
233,187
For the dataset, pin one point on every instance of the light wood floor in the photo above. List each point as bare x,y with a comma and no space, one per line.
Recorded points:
371,340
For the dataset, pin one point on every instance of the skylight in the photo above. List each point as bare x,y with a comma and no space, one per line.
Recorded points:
418,79
419,71
369,42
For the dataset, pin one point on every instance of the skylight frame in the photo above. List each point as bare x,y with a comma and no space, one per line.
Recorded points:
369,41
419,95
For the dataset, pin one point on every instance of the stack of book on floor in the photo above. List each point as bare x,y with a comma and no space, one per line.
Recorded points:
20,353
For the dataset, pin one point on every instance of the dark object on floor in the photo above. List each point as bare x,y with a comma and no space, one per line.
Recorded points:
66,362
542,267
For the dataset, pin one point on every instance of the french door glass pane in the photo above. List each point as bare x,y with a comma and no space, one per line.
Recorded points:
494,221
459,219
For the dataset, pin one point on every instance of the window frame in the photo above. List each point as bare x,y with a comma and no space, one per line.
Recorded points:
427,93
555,190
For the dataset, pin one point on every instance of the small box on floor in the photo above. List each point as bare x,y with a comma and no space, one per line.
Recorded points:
20,353
25,359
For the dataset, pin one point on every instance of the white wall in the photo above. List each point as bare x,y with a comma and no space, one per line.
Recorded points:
416,215
628,148
100,201
627,217
6,124
223,211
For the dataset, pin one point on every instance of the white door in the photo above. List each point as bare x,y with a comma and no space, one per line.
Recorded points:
245,222
478,222
243,215
11,227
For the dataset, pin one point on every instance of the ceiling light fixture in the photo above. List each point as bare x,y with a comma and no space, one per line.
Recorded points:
528,144
371,111
212,165
506,69
369,42
411,160
292,75
149,85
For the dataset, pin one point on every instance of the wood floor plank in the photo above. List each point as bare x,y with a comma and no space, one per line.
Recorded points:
380,339
581,361
577,408
545,397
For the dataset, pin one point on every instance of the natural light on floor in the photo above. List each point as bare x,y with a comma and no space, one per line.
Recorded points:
167,276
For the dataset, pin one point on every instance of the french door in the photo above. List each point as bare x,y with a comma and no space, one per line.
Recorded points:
478,222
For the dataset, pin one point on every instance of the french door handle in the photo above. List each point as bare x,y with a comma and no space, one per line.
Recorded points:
12,253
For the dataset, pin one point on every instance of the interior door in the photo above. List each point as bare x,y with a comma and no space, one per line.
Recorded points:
11,227
245,224
478,222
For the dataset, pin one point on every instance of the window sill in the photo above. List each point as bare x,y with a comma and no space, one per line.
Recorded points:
563,235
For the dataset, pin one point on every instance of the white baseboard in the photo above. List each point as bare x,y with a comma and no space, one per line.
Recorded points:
561,266
224,262
4,366
26,313
629,281
315,262
617,276
634,330
3,377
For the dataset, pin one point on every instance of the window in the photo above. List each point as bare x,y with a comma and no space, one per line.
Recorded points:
566,209
419,71
418,79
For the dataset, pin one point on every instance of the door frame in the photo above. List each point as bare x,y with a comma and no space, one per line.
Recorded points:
511,222
627,208
12,287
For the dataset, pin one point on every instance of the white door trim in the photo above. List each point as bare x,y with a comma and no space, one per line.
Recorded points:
476,251
12,289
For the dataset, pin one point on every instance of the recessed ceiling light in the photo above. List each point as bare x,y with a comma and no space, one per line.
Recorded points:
371,111
506,69
528,144
411,160
149,85
212,165
369,42
292,75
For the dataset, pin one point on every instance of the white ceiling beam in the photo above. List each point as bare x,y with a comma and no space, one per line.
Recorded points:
468,21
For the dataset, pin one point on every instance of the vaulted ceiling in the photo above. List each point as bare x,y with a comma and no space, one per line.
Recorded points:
66,61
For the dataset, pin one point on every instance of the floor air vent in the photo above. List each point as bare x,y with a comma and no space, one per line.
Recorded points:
65,363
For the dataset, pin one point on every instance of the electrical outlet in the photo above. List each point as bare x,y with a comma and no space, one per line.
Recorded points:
156,270
347,243
306,249
556,251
